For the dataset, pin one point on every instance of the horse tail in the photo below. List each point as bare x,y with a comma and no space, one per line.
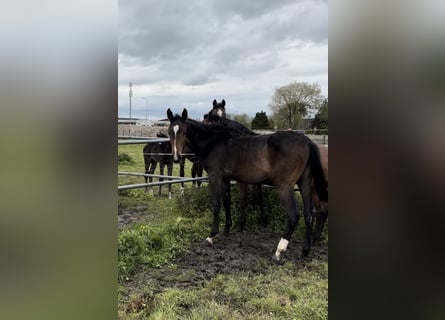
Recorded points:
317,172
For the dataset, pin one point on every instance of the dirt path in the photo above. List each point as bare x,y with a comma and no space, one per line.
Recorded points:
249,252
131,215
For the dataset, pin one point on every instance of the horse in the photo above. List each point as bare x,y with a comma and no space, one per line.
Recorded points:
218,115
161,152
218,111
320,208
279,159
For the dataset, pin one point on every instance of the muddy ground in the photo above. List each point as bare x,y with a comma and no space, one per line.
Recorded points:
245,252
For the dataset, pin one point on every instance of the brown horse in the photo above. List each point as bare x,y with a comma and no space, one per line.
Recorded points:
320,208
277,159
158,152
218,115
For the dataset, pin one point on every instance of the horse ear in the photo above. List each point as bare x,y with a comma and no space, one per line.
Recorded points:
170,115
223,102
184,114
215,103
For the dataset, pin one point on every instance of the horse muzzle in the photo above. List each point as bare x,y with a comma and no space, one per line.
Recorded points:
176,157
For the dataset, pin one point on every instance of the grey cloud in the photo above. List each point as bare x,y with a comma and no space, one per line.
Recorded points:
205,44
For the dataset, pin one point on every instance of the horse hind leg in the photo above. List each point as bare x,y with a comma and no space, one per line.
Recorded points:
289,203
320,220
305,186
243,205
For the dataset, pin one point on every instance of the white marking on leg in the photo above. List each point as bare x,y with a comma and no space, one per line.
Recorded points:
282,246
209,240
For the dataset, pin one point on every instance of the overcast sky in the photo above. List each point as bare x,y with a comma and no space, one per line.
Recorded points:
187,53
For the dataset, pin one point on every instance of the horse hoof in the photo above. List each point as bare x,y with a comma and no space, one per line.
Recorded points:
276,260
209,241
305,253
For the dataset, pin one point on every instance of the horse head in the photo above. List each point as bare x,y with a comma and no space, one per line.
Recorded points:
177,132
218,111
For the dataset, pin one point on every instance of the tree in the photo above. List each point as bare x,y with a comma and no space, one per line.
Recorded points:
260,121
321,118
294,101
244,119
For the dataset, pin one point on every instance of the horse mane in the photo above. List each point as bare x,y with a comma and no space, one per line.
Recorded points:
228,123
234,125
220,130
224,127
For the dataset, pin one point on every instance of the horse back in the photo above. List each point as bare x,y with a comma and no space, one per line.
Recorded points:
274,159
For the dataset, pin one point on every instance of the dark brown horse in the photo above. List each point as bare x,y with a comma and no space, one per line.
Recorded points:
158,152
218,115
320,208
279,159
218,111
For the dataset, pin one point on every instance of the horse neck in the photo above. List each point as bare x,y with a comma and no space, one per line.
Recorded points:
202,138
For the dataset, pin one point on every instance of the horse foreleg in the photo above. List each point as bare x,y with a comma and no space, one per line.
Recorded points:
151,171
215,188
226,202
182,173
147,166
161,172
200,170
289,203
243,188
193,172
259,193
170,172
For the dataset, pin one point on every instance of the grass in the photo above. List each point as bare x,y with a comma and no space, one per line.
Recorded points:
281,292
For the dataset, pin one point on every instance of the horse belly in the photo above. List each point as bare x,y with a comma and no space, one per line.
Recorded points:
250,174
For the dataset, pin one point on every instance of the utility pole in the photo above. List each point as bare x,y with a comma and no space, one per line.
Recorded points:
146,110
130,94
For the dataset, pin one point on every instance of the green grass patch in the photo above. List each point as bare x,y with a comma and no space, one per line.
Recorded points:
124,159
284,292
155,243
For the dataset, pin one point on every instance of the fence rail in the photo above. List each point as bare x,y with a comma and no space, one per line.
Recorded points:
169,179
160,183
